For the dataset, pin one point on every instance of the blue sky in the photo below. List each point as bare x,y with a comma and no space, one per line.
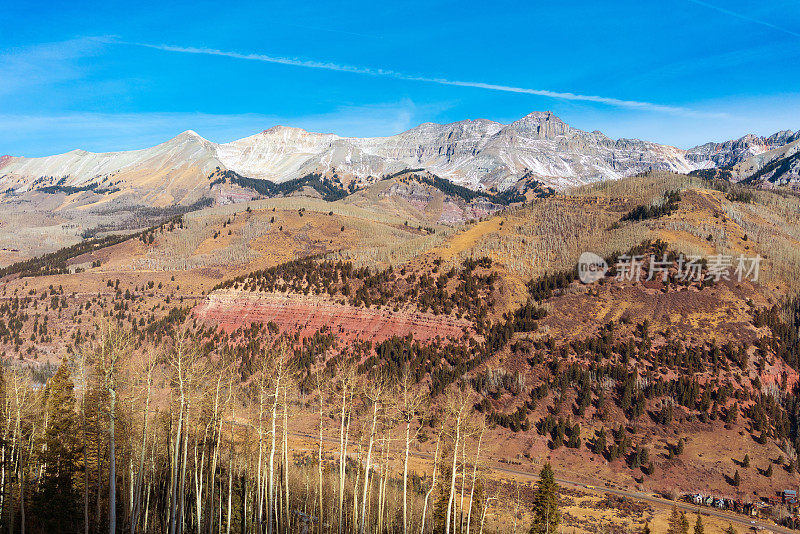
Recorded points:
116,76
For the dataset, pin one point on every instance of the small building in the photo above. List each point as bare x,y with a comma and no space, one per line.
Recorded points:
789,496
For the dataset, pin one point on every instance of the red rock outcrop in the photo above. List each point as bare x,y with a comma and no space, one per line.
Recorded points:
232,309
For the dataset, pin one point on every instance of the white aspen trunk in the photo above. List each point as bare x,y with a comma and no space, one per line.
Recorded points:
384,480
379,513
197,477
146,509
287,518
461,516
220,417
112,464
483,515
451,499
433,482
355,486
173,506
182,489
342,455
474,476
130,487
259,489
319,462
138,491
271,488
405,475
362,519
230,474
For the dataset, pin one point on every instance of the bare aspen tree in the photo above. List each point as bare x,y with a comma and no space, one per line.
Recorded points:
287,515
321,392
374,393
113,344
280,369
483,514
475,475
230,471
183,358
346,375
137,487
459,403
411,400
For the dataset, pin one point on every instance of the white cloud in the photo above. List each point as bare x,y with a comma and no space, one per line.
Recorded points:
45,63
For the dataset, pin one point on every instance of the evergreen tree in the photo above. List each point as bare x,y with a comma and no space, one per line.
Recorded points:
678,523
478,502
684,524
746,461
440,508
674,522
768,472
698,526
736,479
546,516
57,497
600,442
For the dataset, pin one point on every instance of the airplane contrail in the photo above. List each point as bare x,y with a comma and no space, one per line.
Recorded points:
745,17
306,63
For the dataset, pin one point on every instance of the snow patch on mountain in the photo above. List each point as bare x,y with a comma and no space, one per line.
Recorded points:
480,154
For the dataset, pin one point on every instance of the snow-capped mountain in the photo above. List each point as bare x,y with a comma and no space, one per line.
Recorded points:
479,154
474,153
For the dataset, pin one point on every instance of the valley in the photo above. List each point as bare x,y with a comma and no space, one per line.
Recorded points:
641,387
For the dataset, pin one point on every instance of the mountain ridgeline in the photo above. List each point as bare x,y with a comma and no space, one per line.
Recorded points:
480,155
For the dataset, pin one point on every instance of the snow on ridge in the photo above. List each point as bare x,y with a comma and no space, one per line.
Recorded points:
476,153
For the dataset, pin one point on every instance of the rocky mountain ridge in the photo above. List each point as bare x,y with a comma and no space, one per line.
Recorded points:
479,154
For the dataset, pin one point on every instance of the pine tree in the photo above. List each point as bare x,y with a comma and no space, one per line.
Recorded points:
56,500
674,521
698,526
440,508
736,479
678,524
684,524
600,442
546,516
746,461
768,472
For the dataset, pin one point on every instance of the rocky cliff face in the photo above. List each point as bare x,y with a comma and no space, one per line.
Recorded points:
306,315
715,155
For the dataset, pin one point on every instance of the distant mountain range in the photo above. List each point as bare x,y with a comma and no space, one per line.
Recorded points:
479,154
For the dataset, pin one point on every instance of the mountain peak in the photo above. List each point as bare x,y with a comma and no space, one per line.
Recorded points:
541,115
188,135
278,129
540,124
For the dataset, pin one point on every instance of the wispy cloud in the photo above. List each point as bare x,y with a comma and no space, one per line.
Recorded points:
46,63
746,17
312,64
45,134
